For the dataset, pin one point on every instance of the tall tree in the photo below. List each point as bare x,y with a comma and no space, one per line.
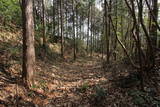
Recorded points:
88,27
28,42
74,36
106,32
53,19
153,27
44,24
62,38
58,18
116,26
91,30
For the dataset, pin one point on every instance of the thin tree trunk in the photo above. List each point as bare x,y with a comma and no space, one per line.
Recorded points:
153,27
115,40
80,28
91,31
66,22
58,17
74,37
88,28
107,30
53,20
62,38
44,25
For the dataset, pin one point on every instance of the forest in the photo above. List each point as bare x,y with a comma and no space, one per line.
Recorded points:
79,53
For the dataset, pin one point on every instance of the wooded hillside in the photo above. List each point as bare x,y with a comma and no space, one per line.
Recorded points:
79,53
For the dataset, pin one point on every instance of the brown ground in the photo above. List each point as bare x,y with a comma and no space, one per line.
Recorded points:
64,84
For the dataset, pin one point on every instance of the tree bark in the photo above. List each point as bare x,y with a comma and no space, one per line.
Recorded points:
107,32
91,31
44,25
153,27
28,43
74,37
88,28
53,19
62,38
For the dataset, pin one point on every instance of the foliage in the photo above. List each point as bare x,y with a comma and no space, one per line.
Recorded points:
100,92
30,94
42,84
84,87
34,86
10,11
80,45
141,98
99,96
130,81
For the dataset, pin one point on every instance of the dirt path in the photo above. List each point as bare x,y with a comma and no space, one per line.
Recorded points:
82,83
62,84
72,83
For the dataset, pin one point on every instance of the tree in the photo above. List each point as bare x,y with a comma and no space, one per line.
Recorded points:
28,43
53,19
62,38
107,31
91,30
153,27
88,27
74,36
44,24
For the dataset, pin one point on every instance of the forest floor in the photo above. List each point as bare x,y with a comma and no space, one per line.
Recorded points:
82,83
86,82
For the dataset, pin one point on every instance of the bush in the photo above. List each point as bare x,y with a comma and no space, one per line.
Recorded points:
84,87
10,12
142,98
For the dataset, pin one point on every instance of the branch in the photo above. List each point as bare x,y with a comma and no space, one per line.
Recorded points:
119,41
154,19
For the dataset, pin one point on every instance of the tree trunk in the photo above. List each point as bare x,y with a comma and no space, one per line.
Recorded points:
44,25
153,27
80,28
66,21
115,40
28,43
58,17
88,28
106,29
34,14
91,30
74,37
53,20
62,38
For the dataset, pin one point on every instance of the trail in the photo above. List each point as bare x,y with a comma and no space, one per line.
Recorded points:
72,83
82,83
65,83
